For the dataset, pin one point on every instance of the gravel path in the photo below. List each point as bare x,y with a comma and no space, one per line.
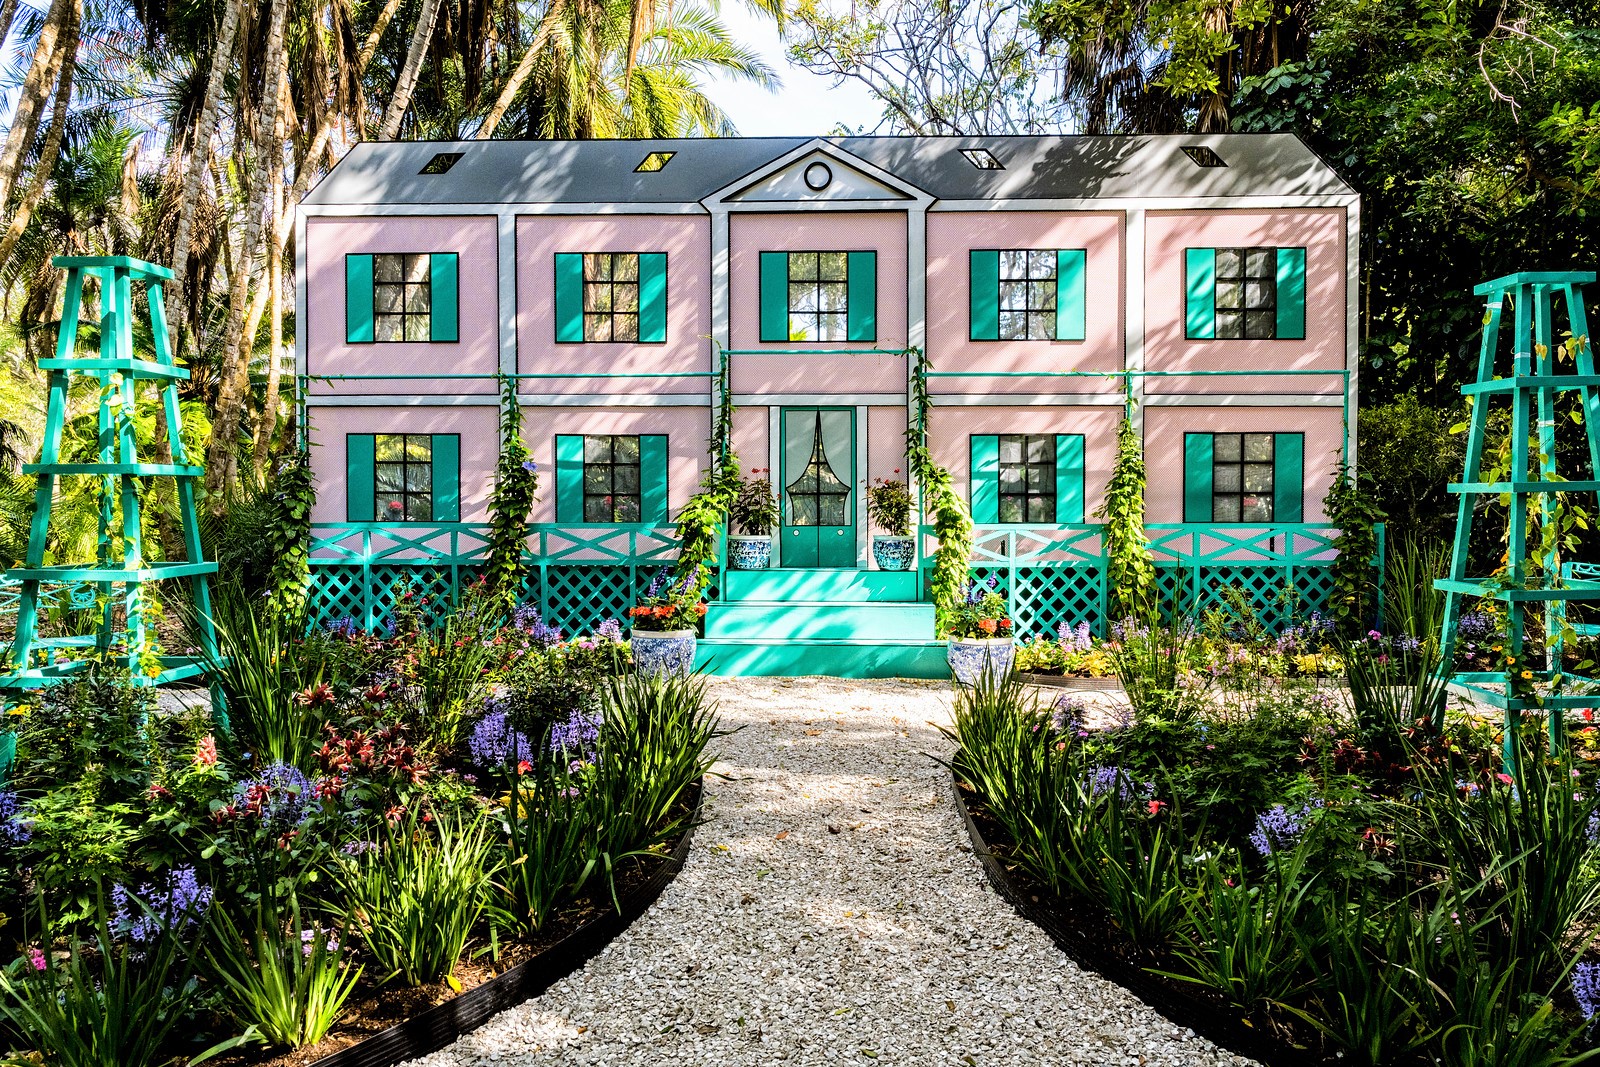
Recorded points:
831,911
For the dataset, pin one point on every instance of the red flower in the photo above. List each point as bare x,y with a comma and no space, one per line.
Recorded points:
988,626
523,766
205,753
1155,806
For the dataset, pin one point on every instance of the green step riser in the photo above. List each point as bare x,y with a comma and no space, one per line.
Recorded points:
781,660
839,622
815,585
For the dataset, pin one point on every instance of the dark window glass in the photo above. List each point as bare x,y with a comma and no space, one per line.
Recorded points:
1242,477
819,288
817,497
611,296
611,478
1028,478
1027,296
1247,293
404,477
402,296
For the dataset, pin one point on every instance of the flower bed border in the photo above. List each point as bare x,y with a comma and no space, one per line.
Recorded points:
441,1025
1045,911
1079,682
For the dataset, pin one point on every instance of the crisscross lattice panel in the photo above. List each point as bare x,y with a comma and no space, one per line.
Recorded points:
1042,598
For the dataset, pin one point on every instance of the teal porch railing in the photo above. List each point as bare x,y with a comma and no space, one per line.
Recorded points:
1055,574
578,574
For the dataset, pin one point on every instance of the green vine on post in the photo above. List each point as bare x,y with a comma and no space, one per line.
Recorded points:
1130,575
1353,601
516,487
289,532
952,522
701,521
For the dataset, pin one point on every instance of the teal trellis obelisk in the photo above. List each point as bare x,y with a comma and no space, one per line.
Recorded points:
1536,380
36,662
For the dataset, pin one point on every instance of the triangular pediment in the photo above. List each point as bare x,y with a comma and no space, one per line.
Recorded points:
819,172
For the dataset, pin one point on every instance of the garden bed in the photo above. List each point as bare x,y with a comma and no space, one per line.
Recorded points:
434,1017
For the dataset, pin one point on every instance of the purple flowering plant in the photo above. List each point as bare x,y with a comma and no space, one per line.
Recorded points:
172,901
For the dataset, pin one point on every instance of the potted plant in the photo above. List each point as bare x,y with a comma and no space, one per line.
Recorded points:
663,625
980,634
755,512
889,507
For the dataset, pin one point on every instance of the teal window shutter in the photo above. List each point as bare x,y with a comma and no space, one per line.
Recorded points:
1292,294
861,298
1200,277
569,298
652,297
1069,477
358,300
1071,279
774,296
569,477
1288,477
985,294
446,477
983,489
1197,473
653,478
360,476
444,291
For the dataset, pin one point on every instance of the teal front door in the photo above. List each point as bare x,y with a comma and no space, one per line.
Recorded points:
817,480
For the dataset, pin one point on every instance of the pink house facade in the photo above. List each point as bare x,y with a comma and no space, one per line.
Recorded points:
1205,284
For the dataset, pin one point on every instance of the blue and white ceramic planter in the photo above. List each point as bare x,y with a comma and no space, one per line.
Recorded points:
971,657
893,553
749,553
663,653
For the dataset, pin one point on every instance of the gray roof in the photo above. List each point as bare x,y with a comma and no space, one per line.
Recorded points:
587,172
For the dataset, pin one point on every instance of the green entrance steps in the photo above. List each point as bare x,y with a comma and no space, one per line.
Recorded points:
731,657
821,585
792,620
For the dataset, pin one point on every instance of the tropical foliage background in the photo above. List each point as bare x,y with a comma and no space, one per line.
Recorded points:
185,131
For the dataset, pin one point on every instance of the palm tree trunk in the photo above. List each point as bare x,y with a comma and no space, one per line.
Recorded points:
406,84
518,78
222,452
52,141
8,15
370,48
267,421
36,86
199,163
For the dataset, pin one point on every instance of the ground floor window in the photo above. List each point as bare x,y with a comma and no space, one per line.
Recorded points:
1027,478
403,477
611,478
1243,477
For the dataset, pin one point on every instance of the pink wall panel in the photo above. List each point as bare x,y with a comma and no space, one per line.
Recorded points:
952,235
329,240
1320,232
952,429
1164,428
752,234
479,448
686,430
886,444
750,436
686,239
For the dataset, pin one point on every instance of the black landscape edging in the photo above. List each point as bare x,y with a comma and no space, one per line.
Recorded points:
1220,1028
442,1024
1078,682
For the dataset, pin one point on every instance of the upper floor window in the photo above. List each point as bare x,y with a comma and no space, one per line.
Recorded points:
1245,293
401,296
1027,478
1028,294
819,296
403,477
1243,477
611,297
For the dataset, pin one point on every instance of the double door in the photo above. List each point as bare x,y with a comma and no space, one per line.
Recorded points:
817,487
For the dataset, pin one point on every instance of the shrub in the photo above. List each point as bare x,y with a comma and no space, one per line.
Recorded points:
889,505
754,508
981,612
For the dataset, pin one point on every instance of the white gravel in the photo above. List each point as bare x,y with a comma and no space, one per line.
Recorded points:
831,911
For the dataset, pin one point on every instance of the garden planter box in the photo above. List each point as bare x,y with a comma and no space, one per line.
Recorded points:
663,652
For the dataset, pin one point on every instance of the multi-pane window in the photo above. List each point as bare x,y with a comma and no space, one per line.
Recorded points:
817,497
819,296
403,477
611,296
1247,293
402,296
1028,295
1242,477
611,478
1027,478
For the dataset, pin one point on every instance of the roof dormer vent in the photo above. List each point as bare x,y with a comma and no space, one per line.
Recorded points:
441,162
653,162
982,158
1202,156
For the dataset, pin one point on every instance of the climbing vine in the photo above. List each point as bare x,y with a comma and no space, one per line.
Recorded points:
952,522
701,521
516,488
288,532
1130,575
1353,600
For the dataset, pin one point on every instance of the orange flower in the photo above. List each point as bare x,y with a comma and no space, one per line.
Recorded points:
988,626
699,609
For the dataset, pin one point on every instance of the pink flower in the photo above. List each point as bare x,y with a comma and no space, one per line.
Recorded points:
1505,779
395,505
36,958
205,753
